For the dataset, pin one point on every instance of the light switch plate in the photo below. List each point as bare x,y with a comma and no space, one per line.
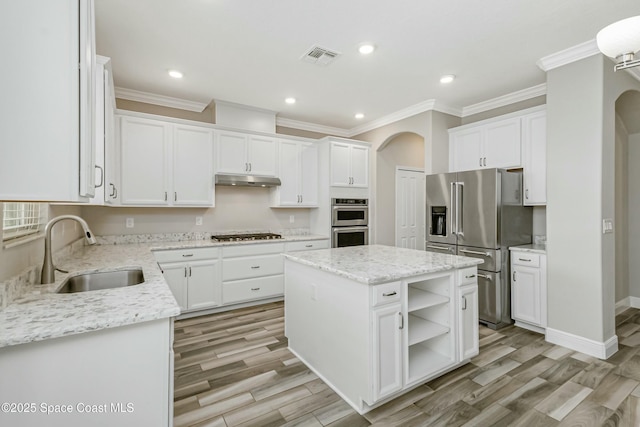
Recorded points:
129,223
607,226
198,220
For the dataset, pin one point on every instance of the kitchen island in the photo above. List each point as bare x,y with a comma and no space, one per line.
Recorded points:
376,321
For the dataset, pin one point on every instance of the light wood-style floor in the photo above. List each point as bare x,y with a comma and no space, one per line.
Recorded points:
234,369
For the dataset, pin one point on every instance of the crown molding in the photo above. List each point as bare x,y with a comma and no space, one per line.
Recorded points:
165,101
567,56
312,127
421,107
508,99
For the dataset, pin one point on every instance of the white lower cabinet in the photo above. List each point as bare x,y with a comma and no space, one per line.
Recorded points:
468,341
529,290
387,353
119,376
252,272
193,275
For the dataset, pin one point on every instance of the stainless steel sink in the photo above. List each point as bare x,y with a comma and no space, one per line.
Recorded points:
102,280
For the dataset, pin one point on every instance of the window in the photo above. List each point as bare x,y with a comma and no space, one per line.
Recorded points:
22,219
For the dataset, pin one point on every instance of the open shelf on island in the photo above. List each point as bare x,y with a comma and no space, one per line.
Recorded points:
424,361
419,299
423,330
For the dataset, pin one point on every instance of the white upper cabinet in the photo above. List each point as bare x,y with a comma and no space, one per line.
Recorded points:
242,154
192,166
165,164
298,172
52,58
349,165
485,145
534,158
105,192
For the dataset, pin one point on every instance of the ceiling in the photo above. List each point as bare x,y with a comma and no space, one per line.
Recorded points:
248,52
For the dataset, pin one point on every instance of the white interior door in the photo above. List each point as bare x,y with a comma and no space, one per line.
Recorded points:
410,208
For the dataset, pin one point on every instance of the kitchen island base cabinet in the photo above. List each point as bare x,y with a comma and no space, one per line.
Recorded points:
371,343
113,377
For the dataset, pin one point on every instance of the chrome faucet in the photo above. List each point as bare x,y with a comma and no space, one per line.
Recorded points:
48,269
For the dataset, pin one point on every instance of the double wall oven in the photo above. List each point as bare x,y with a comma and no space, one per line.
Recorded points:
349,222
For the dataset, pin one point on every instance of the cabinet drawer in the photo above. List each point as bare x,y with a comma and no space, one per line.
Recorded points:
525,258
467,276
383,294
185,255
307,246
242,290
252,249
254,266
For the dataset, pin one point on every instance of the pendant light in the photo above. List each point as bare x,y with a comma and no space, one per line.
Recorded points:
621,41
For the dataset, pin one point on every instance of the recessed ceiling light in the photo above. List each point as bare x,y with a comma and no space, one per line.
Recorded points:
290,100
359,116
366,48
447,78
175,74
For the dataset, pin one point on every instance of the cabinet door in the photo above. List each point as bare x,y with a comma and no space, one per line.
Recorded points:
468,321
41,159
502,144
289,166
308,173
204,284
262,155
465,150
525,294
176,276
359,166
144,151
387,351
534,158
87,99
340,164
232,153
192,166
111,149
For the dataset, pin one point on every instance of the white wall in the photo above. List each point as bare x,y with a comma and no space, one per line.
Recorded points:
580,193
237,209
633,197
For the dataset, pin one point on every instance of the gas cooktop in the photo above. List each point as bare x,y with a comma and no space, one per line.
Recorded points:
241,237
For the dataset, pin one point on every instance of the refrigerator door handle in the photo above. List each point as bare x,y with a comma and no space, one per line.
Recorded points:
459,214
453,220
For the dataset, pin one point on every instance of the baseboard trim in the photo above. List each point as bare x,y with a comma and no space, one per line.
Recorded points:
601,350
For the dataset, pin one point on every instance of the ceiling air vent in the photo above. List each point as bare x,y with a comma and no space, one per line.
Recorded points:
320,55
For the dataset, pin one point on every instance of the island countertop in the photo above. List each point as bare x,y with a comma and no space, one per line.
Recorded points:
374,264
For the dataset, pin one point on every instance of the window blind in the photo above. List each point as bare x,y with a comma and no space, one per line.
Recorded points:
22,219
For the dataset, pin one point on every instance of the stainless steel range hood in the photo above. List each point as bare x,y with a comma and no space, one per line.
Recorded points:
247,180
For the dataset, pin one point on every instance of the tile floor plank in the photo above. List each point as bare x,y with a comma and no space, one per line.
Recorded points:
233,369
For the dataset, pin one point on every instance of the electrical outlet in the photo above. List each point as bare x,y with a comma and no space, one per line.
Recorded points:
129,223
292,219
607,226
198,220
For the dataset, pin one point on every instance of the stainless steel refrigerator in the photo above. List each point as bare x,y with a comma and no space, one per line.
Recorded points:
480,214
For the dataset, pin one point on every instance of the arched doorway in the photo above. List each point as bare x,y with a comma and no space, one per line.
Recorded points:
404,150
627,199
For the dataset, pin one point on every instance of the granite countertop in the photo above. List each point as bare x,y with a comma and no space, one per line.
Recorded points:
375,264
43,314
536,249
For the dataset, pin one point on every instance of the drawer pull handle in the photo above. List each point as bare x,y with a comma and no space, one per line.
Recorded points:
187,255
389,294
255,289
524,259
469,251
470,277
255,266
308,246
